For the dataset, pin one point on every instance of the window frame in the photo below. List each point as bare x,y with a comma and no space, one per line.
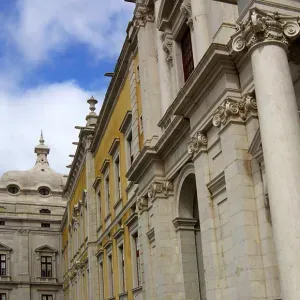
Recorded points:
47,297
121,267
107,193
110,273
5,265
187,54
101,280
3,294
137,273
46,264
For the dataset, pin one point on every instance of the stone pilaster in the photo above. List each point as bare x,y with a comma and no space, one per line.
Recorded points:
150,93
91,223
267,36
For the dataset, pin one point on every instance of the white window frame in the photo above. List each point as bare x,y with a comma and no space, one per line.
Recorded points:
110,274
101,279
121,267
5,250
107,193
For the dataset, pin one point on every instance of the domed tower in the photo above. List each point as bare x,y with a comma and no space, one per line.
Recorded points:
31,211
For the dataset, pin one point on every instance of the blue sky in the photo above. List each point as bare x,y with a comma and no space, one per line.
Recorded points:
53,56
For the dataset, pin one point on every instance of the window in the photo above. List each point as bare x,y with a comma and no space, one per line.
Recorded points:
129,148
141,124
110,275
45,225
187,54
47,297
2,223
44,191
101,279
45,211
46,266
3,296
3,265
107,195
136,260
122,269
13,189
118,178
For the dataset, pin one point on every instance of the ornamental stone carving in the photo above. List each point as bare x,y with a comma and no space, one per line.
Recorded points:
263,27
167,44
142,15
186,9
198,141
234,108
164,188
142,204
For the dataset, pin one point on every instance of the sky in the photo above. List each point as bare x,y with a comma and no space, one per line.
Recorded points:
53,56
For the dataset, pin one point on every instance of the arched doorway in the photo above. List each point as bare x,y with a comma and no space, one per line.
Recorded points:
188,228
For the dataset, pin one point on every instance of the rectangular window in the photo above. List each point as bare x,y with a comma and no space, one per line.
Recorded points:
121,268
2,223
187,54
45,225
3,296
46,266
99,207
118,178
136,260
101,279
129,149
107,195
2,265
110,275
47,297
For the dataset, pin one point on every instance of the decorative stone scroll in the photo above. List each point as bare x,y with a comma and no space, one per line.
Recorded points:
263,27
142,15
164,188
142,204
198,141
167,44
232,107
186,9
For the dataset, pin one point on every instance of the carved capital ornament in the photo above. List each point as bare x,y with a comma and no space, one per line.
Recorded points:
263,27
167,44
164,188
142,15
186,9
197,142
234,108
142,204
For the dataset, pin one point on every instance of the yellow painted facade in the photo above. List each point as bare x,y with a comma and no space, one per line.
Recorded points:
75,247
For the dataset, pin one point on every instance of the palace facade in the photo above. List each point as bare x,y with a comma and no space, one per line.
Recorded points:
185,185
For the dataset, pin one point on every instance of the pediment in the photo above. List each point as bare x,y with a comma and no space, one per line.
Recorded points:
4,247
255,148
165,11
46,248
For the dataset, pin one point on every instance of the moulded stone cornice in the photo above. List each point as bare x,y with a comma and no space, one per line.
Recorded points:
119,233
215,63
126,121
217,184
264,27
185,224
160,188
114,146
142,15
197,143
255,148
234,108
96,182
104,166
166,13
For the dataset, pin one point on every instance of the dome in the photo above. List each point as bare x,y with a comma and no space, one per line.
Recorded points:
40,176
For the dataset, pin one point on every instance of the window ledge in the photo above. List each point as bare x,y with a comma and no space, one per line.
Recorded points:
107,217
5,278
137,289
123,296
118,203
111,298
47,279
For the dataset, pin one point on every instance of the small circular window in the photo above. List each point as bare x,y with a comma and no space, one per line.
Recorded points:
44,191
13,189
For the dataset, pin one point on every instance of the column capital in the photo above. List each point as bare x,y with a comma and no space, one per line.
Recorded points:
142,15
142,204
186,10
163,188
265,28
234,108
197,143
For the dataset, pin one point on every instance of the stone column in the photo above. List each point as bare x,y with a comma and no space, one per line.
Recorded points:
144,20
91,223
267,36
195,11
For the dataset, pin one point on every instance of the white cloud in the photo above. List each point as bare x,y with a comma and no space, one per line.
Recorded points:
43,27
54,108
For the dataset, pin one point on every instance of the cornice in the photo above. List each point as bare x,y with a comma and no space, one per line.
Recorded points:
166,13
110,100
114,147
184,224
143,14
197,143
160,189
216,62
255,148
217,184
